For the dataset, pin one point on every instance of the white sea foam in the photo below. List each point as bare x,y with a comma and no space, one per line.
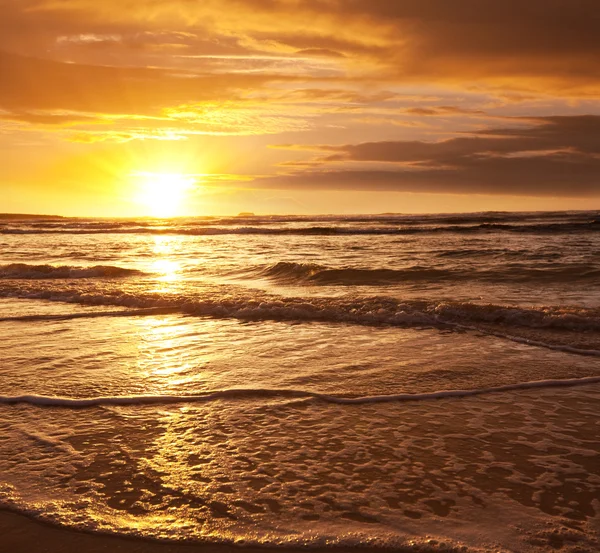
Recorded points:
264,393
535,326
505,472
366,310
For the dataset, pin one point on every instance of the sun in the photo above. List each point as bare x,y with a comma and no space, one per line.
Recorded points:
163,194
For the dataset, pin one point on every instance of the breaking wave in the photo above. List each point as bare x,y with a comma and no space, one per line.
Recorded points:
308,273
569,329
26,271
370,310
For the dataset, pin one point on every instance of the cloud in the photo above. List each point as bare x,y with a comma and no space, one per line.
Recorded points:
53,118
536,44
559,156
383,95
90,104
443,111
91,137
29,83
320,52
549,177
576,134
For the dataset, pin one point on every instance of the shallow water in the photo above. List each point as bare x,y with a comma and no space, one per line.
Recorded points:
378,381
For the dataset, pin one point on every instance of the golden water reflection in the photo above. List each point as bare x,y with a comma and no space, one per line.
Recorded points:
168,356
167,269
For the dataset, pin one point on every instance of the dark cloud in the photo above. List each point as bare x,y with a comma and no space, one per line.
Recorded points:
478,29
551,176
560,156
578,134
522,44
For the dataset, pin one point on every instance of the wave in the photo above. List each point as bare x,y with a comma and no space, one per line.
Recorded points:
26,271
568,329
314,274
310,273
318,274
511,253
360,310
91,315
342,228
265,393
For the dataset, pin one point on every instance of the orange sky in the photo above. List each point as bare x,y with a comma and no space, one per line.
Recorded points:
289,106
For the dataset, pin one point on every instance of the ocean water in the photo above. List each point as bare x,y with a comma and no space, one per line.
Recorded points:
425,383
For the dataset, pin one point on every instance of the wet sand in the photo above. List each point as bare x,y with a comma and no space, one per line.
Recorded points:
503,472
20,534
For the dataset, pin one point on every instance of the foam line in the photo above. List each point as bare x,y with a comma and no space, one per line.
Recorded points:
49,401
528,341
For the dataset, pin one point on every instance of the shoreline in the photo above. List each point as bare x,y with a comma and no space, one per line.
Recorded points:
20,533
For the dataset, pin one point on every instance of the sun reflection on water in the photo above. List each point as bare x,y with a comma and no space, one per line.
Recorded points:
162,356
167,270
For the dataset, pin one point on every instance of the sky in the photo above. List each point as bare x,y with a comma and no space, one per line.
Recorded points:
208,107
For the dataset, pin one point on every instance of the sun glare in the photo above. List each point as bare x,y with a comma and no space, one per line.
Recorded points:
163,194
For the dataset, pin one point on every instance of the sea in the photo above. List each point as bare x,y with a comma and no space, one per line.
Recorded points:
384,382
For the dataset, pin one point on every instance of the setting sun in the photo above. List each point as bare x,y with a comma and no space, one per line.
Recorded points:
162,194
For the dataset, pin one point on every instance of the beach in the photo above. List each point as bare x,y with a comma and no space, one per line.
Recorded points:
407,383
23,535
503,472
282,276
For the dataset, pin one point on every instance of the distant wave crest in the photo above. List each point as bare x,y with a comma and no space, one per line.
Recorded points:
306,227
